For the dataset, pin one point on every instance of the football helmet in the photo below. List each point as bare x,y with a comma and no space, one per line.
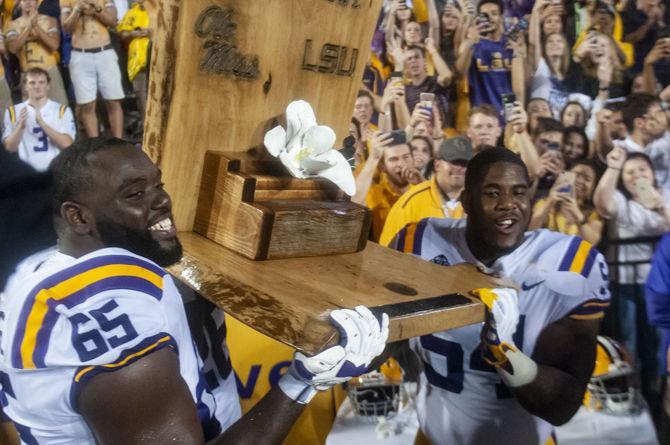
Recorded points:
613,388
377,394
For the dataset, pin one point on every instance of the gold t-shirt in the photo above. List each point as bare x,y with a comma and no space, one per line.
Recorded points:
34,53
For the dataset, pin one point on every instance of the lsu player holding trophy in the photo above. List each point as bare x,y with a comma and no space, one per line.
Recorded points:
526,368
97,345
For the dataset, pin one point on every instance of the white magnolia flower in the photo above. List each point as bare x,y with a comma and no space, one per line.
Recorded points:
306,149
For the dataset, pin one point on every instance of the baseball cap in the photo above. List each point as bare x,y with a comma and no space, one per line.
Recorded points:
457,148
605,7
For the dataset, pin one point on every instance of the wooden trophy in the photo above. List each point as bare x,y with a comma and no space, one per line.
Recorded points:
279,253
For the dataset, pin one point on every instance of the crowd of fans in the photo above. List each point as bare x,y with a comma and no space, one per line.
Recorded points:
578,88
77,51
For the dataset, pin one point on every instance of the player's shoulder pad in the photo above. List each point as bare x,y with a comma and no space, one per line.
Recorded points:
571,266
417,235
78,286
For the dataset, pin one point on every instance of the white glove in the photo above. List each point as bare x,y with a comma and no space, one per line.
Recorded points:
502,316
362,338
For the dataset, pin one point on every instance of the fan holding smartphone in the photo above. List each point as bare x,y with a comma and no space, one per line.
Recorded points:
569,208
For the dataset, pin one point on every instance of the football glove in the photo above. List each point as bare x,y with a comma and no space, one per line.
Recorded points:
362,338
502,317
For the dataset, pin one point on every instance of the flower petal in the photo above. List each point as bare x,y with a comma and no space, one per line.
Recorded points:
292,168
299,118
319,139
340,173
275,140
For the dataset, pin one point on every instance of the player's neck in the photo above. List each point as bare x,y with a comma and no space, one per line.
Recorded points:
38,103
480,250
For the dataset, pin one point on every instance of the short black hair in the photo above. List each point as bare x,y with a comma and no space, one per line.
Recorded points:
547,124
72,169
497,2
637,106
364,93
479,165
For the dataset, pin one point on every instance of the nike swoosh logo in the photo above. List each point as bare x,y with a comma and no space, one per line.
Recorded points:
525,286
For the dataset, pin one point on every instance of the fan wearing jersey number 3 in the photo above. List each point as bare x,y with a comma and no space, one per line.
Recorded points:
508,380
97,346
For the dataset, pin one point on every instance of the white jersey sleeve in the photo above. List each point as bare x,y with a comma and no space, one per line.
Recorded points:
8,122
71,320
66,124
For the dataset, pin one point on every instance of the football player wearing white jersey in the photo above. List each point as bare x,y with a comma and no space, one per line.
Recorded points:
527,367
39,128
99,347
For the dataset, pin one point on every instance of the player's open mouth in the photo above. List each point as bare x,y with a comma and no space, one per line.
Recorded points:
505,225
163,229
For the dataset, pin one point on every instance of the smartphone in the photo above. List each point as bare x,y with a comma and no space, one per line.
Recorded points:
508,100
398,137
482,19
645,193
663,33
566,183
426,102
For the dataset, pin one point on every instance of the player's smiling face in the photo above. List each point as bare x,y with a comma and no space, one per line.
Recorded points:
498,211
131,208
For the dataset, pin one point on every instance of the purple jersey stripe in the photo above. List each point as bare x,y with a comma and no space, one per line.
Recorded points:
590,260
418,236
570,254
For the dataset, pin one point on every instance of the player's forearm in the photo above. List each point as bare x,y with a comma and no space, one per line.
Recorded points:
107,17
268,422
528,154
15,44
464,57
603,197
13,140
519,78
444,74
69,23
51,41
554,395
364,181
61,140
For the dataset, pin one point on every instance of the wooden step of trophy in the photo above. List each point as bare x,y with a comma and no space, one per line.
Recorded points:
253,207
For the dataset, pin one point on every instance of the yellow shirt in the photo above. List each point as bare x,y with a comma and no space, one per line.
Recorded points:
379,200
258,362
558,223
617,35
419,202
34,54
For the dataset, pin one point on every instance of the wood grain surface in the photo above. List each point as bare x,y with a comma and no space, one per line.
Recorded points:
290,299
190,111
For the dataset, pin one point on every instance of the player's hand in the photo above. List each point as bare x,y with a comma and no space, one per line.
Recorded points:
502,317
412,175
419,114
518,118
362,338
38,118
616,157
378,144
23,118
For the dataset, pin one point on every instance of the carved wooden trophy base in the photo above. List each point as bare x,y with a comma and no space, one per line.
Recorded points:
254,208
